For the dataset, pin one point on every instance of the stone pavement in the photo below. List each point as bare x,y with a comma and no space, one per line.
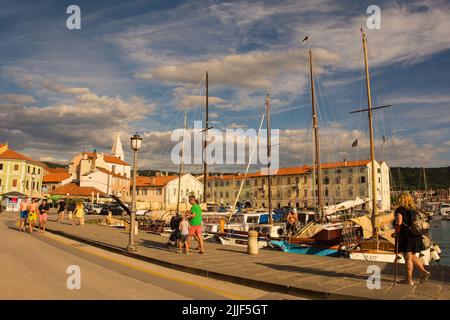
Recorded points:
305,275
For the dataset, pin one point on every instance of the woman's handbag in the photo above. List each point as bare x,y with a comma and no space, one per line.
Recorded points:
426,242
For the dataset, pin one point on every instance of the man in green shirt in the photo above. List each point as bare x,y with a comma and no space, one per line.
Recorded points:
196,222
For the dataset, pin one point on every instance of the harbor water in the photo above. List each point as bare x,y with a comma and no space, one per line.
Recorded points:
440,233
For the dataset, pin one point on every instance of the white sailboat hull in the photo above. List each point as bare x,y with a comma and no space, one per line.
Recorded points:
389,257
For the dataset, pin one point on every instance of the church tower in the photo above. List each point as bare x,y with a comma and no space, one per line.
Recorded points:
117,150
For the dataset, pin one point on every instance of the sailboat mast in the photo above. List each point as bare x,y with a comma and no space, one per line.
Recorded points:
316,138
205,166
181,166
269,158
372,148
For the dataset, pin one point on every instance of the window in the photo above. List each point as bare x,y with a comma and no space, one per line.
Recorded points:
28,185
247,183
14,183
379,170
350,180
289,180
16,167
221,194
247,194
227,195
338,180
145,191
263,182
363,179
350,170
216,184
326,192
255,182
159,191
305,193
228,183
305,179
362,169
221,183
0,182
1,166
39,171
28,169
339,171
326,180
175,192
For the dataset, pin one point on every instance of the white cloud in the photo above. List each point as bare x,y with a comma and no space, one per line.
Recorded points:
254,70
18,98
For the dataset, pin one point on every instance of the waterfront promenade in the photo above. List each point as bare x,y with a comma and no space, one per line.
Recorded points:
303,275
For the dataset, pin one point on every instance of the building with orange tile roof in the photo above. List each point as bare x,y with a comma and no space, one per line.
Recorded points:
54,178
20,173
161,193
295,187
108,173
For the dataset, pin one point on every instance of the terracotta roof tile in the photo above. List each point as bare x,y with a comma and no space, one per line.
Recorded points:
109,158
75,190
142,181
56,177
9,154
295,170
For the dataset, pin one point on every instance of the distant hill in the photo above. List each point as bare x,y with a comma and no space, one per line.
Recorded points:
54,165
410,178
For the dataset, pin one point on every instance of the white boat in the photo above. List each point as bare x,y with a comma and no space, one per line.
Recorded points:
389,257
444,209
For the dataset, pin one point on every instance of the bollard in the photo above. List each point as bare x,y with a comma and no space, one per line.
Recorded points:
252,244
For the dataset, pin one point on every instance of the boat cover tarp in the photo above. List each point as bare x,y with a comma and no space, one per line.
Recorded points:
311,231
344,205
383,223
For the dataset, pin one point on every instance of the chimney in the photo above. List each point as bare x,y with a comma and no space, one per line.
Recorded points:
345,162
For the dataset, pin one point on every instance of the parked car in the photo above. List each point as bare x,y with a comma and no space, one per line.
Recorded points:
115,209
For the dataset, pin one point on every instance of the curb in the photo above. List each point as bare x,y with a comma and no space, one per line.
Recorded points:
257,284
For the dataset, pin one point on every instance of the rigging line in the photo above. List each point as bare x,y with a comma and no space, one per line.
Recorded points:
248,167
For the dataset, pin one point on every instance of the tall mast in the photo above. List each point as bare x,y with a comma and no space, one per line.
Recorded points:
426,186
372,148
316,138
205,167
181,166
269,158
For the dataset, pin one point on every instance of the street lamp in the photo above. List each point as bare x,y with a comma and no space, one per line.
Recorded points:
136,143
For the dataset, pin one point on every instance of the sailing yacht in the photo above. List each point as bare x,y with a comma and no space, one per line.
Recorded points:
377,243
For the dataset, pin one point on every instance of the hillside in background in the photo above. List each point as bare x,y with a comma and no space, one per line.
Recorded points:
54,165
412,178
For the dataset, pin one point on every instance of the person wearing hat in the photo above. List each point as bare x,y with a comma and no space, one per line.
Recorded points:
291,222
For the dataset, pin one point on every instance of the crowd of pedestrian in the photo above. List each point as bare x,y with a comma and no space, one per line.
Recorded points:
35,213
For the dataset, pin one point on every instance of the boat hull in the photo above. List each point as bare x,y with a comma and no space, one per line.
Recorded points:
323,251
389,257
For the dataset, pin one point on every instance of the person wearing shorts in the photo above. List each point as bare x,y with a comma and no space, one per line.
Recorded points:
43,214
23,214
184,234
195,229
33,214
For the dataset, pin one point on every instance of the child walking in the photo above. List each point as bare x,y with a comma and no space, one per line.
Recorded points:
184,234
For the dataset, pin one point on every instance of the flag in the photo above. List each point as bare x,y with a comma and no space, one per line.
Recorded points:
355,143
304,40
384,139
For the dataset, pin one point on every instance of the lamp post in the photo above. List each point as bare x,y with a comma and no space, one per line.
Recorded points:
136,143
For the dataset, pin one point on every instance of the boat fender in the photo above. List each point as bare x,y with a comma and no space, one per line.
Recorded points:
435,255
437,249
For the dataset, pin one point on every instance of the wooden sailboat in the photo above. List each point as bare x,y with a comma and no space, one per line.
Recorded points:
377,248
317,237
235,232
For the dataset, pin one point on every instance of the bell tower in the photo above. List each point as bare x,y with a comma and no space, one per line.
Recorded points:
117,150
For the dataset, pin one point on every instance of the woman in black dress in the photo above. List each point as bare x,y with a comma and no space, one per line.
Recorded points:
408,243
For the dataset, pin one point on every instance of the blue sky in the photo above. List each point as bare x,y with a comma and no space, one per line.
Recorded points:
136,65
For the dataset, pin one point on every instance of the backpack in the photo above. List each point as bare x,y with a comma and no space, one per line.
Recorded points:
419,224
